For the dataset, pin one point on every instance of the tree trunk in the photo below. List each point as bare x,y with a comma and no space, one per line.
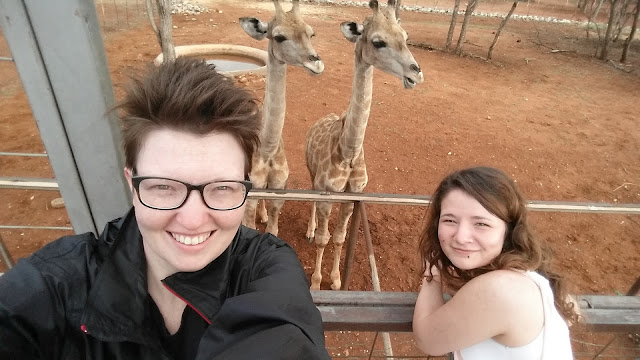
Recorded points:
592,17
627,42
621,19
582,5
166,38
604,52
467,16
502,24
152,20
452,26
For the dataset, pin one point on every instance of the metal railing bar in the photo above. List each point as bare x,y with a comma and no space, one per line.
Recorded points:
314,195
4,58
423,200
29,227
6,257
583,207
28,183
3,153
372,198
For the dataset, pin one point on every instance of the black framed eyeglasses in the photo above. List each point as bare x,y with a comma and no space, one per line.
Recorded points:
168,194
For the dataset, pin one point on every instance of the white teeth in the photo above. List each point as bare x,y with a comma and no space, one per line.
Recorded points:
191,240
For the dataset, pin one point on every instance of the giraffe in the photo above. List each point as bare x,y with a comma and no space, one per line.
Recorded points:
289,43
334,145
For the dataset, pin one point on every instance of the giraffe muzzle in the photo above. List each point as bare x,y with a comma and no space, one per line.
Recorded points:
410,81
314,66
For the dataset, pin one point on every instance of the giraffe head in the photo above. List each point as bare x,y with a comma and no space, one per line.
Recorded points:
382,43
289,37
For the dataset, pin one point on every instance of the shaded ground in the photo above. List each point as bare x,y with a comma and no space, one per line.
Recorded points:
564,125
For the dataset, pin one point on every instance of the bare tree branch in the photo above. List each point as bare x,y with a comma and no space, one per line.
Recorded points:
592,17
627,42
471,6
152,20
502,24
452,26
164,13
613,13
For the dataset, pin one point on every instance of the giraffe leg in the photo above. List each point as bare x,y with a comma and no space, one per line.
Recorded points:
321,240
278,176
274,214
259,181
346,209
311,228
250,214
262,211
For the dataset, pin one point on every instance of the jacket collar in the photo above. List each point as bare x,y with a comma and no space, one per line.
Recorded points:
117,305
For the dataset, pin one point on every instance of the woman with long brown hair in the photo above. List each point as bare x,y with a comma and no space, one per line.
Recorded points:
477,245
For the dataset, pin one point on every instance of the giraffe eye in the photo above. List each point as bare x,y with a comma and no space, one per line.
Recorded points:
279,38
378,44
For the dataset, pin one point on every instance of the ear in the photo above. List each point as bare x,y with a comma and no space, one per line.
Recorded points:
351,30
127,175
254,27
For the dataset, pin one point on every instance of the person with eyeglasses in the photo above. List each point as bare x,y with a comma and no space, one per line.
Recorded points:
178,276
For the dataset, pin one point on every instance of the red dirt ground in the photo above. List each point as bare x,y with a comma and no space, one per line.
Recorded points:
563,124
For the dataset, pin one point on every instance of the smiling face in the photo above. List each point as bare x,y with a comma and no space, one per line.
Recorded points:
470,236
193,159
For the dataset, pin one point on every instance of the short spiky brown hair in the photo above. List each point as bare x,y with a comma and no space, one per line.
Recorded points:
187,95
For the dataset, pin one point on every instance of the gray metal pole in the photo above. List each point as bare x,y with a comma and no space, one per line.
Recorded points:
58,51
6,257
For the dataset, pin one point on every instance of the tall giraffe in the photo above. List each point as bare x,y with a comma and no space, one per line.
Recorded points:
289,43
334,147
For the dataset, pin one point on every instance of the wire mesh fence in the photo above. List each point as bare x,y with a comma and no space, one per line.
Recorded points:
118,14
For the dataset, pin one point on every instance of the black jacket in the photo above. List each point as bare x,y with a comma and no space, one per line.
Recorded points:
85,298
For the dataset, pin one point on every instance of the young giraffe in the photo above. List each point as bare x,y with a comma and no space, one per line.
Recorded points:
334,147
289,43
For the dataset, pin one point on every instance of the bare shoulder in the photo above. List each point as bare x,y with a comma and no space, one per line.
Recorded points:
512,299
506,287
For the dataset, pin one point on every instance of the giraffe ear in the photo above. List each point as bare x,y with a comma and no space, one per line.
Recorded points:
254,27
352,31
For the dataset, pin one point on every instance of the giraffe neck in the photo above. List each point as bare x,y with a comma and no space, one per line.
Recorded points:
357,115
274,106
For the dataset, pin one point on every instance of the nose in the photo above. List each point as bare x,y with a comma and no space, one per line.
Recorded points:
314,58
463,234
415,68
194,212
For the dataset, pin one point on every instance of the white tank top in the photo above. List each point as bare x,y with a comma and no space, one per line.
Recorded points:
552,343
